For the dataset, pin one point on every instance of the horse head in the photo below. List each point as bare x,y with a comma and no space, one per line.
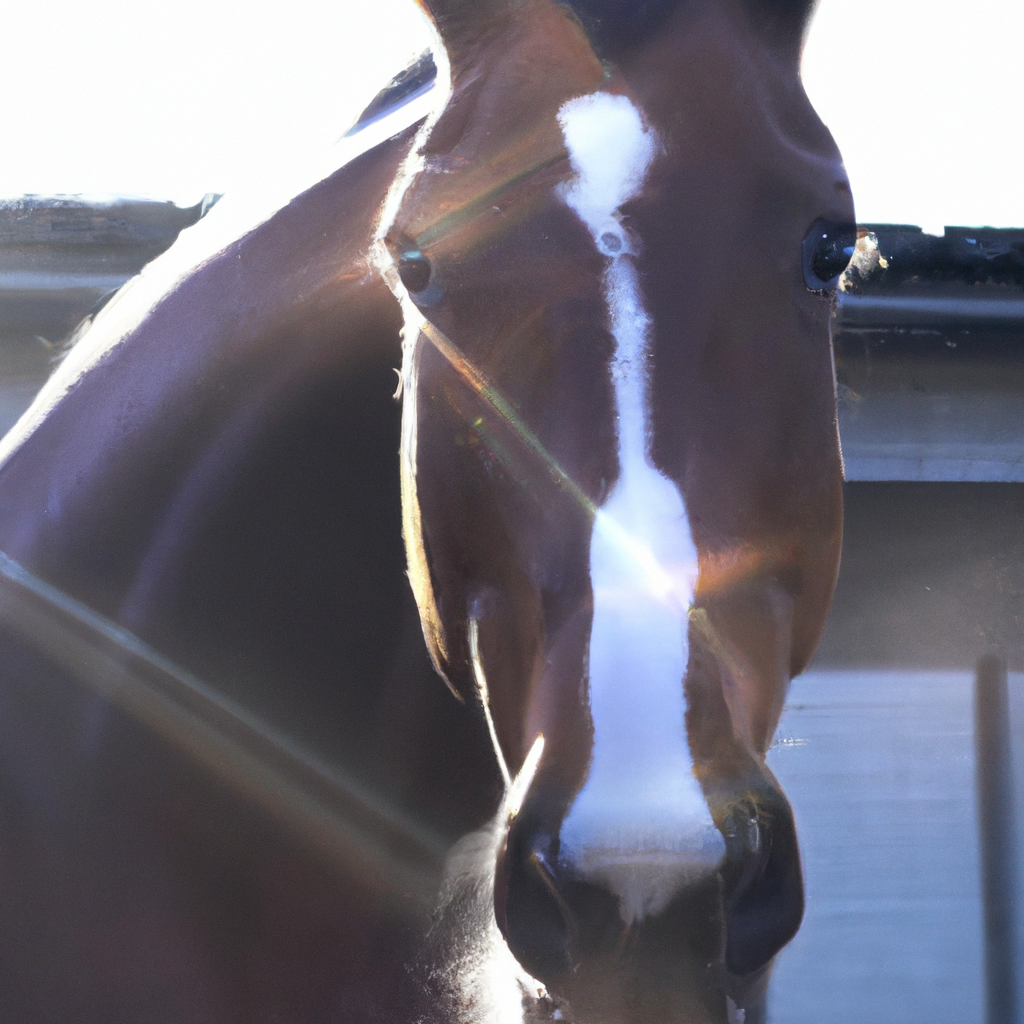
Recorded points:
621,470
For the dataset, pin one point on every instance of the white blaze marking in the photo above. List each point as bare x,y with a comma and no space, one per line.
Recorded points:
640,824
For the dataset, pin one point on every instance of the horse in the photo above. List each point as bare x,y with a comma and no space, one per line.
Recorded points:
603,267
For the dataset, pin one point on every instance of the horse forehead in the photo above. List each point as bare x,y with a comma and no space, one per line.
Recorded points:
500,126
615,23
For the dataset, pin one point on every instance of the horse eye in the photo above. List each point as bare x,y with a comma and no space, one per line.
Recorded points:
827,250
414,270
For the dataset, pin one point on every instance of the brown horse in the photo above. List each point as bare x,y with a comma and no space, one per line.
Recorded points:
621,470
621,501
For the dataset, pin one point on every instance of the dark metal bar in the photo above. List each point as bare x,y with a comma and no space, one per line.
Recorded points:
929,312
995,813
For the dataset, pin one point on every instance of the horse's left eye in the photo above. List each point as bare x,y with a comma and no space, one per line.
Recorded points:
414,270
827,250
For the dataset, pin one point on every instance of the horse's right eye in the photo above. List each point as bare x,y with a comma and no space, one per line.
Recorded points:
414,270
827,250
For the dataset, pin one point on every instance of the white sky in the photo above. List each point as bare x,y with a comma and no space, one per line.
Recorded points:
172,100
926,101
925,97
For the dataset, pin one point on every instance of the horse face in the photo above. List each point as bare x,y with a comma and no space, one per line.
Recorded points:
622,480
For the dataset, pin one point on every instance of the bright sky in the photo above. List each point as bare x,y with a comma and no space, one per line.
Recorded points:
175,99
925,97
926,101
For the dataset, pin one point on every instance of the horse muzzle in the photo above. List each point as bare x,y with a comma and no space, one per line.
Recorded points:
659,927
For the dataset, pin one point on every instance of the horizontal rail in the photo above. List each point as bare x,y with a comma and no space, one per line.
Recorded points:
916,312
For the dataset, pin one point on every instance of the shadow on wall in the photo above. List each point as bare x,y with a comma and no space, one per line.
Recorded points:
932,576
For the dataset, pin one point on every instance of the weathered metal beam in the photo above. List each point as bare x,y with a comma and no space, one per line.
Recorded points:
59,258
883,313
929,342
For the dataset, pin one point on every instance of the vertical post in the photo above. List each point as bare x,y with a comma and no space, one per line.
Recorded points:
995,814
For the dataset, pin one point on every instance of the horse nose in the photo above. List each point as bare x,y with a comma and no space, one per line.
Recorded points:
641,828
643,847
573,890
571,887
531,905
565,926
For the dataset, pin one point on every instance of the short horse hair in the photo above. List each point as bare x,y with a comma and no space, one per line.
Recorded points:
615,25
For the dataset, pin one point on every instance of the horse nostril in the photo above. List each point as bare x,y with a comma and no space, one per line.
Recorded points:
532,911
827,251
539,863
414,270
763,882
